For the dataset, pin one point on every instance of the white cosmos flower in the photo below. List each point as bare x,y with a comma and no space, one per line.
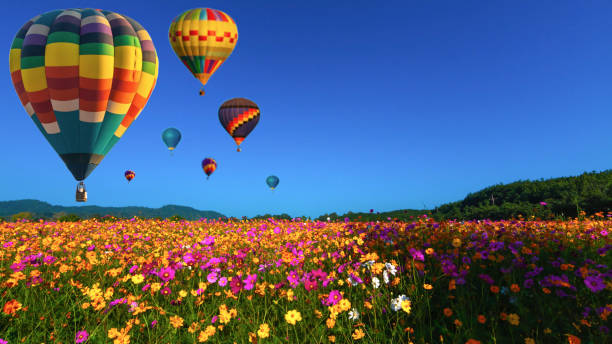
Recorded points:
375,282
353,314
386,277
391,268
396,304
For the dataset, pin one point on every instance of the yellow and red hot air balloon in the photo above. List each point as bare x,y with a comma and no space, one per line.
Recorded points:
203,39
83,76
129,175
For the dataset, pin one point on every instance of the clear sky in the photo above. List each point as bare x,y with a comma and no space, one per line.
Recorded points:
364,104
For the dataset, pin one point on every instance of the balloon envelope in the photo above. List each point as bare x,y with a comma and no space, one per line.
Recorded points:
171,137
203,39
129,175
272,181
239,116
83,76
209,165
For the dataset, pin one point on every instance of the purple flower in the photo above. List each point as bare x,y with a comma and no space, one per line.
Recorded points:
81,336
214,319
543,203
595,284
528,283
212,277
222,281
2,341
133,269
249,282
49,260
153,323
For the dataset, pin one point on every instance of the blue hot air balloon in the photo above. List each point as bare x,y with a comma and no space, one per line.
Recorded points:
272,181
171,137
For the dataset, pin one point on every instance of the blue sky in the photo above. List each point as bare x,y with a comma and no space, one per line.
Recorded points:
364,104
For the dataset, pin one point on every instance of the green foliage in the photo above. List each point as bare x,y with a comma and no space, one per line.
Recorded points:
24,215
69,218
176,218
564,197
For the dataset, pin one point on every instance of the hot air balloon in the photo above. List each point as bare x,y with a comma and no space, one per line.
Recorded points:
129,175
83,76
203,39
171,137
272,181
239,116
209,165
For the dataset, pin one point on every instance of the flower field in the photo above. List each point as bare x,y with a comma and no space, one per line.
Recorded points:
152,281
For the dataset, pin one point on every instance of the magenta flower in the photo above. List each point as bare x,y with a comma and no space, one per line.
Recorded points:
543,203
334,297
249,282
153,323
223,281
214,319
236,285
212,277
81,336
417,255
2,341
133,268
166,291
166,274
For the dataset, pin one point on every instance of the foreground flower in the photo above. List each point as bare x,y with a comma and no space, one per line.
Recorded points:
11,307
358,334
264,331
406,306
293,316
176,321
396,304
353,314
513,319
137,279
81,336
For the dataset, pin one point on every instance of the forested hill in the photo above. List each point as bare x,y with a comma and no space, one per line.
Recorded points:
565,196
37,209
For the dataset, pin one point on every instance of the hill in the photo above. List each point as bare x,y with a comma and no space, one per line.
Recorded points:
590,192
45,210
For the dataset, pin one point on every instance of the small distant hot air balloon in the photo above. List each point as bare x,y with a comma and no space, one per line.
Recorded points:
203,39
272,181
239,116
129,175
209,165
83,76
171,137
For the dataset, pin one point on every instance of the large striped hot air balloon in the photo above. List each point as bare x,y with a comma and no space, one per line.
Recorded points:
83,76
209,165
203,39
239,116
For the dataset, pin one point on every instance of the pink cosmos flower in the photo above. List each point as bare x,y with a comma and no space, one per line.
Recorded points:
81,336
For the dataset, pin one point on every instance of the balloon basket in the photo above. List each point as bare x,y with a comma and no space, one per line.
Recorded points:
81,192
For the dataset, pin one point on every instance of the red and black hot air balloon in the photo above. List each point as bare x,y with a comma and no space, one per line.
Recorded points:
239,116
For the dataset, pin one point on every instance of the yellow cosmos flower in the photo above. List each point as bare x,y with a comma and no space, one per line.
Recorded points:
137,279
264,331
293,316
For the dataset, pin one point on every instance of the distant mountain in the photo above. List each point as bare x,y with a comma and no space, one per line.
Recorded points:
46,210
